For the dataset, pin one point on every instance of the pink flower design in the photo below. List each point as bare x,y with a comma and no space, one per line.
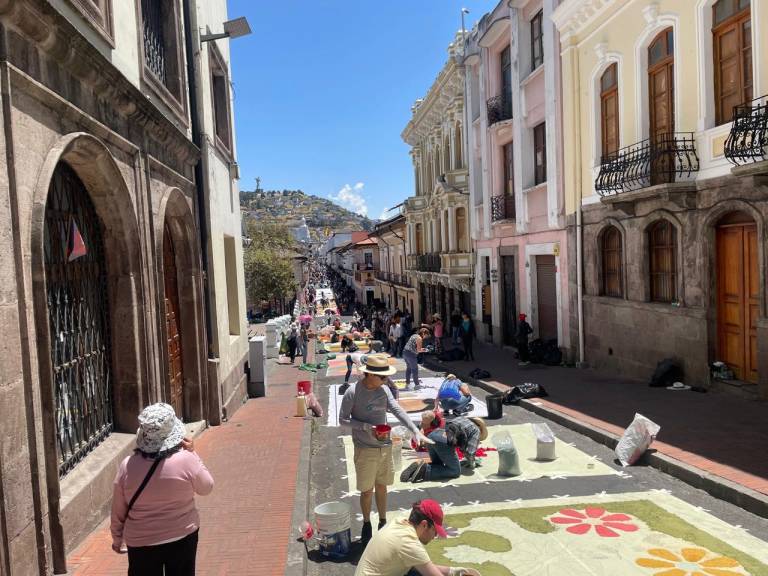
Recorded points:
582,521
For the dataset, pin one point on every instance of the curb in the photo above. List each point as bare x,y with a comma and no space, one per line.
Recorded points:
721,488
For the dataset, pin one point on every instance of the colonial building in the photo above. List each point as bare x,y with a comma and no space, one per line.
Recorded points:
516,186
666,183
395,288
365,263
103,273
439,251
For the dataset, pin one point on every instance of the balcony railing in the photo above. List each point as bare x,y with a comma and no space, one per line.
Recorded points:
428,262
502,207
661,159
399,279
748,140
499,108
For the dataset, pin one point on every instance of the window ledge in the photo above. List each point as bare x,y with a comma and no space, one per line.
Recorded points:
535,187
532,75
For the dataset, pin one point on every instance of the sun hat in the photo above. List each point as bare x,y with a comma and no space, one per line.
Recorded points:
480,423
159,429
432,510
678,386
377,364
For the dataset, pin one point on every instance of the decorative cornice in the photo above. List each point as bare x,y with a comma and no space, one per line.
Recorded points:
51,33
574,16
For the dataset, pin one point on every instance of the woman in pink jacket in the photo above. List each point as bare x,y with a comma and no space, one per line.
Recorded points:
153,505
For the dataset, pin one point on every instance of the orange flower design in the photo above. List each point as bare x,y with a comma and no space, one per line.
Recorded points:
605,525
690,562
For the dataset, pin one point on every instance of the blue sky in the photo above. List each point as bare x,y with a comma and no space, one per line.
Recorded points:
324,88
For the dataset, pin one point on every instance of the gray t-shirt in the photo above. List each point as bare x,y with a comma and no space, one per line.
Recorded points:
362,406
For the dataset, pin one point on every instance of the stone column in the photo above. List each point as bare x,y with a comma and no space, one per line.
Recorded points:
452,232
444,234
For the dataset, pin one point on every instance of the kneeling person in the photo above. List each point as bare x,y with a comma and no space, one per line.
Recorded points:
399,549
464,433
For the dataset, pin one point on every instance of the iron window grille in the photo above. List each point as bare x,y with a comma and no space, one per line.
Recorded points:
502,207
79,322
428,263
155,52
664,158
499,108
748,139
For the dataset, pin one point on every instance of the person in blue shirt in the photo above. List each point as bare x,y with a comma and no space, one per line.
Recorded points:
454,395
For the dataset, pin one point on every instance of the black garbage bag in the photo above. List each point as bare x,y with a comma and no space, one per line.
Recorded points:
536,351
523,391
667,372
553,356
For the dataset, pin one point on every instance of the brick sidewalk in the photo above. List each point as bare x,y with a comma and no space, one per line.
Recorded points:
717,432
246,520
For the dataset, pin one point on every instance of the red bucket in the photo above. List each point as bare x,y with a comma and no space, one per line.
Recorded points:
304,386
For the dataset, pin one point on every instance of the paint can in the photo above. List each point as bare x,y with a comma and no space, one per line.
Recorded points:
304,387
301,406
333,528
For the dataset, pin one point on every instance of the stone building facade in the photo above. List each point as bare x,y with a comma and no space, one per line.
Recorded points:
439,250
103,303
395,287
512,60
667,185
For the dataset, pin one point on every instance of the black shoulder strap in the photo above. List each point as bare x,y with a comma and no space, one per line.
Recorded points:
142,486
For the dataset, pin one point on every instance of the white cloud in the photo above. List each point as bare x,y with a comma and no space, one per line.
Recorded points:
351,198
386,213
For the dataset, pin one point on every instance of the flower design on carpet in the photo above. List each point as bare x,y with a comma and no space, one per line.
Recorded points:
690,562
605,524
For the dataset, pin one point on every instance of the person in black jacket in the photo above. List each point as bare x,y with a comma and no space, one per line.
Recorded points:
467,336
523,330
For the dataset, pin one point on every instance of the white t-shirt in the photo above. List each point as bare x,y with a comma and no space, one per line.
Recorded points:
393,551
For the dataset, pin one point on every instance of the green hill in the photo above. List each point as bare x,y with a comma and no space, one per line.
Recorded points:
289,206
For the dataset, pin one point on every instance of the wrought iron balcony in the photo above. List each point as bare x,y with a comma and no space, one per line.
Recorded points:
502,207
748,140
661,159
499,108
428,262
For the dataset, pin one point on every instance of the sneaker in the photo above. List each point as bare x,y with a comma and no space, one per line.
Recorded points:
523,363
407,474
366,533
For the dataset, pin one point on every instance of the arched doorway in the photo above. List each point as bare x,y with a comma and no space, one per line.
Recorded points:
738,294
78,315
173,324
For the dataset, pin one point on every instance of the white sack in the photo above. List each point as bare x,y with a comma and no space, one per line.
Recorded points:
636,440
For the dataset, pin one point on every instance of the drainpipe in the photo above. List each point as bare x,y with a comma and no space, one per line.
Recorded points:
195,102
579,222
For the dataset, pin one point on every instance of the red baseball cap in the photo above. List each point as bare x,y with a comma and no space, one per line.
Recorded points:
432,510
522,316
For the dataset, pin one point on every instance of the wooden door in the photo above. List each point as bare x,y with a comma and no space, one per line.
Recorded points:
546,295
510,301
173,325
661,93
738,298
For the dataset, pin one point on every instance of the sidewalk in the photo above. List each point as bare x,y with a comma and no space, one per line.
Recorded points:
717,433
246,520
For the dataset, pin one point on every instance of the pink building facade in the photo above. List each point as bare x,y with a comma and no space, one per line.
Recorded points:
515,161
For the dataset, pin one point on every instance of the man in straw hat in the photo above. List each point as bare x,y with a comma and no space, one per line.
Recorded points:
400,548
464,433
364,409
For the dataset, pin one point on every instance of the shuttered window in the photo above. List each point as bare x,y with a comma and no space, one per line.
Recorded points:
609,110
612,269
540,153
662,243
732,49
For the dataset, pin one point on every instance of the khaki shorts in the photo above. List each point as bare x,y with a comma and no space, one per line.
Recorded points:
373,466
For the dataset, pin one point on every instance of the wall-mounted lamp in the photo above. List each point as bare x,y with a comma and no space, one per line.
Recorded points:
232,29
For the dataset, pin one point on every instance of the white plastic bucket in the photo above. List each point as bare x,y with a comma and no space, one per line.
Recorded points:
333,527
397,453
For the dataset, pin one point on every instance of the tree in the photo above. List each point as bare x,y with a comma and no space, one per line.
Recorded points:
268,262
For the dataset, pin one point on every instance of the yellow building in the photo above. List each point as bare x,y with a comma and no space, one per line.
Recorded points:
665,168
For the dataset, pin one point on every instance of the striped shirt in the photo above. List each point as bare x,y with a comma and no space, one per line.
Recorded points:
464,433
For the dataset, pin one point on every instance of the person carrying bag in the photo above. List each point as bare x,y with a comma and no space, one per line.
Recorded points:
153,501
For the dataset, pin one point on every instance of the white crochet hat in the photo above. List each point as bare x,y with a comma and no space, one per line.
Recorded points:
159,429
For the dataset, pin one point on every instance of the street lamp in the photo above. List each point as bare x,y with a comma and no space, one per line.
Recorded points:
232,29
463,32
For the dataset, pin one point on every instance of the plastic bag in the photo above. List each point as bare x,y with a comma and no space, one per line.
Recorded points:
545,441
636,440
314,405
509,464
403,433
283,345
